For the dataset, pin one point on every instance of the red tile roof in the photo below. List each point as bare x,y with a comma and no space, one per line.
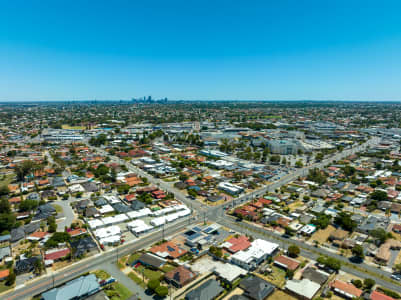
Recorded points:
346,288
168,247
240,243
379,296
4,273
285,261
57,254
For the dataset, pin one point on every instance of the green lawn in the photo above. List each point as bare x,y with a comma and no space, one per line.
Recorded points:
101,274
167,268
117,291
137,280
4,287
149,274
58,208
6,179
133,257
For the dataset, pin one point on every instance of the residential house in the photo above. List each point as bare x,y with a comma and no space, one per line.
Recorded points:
168,250
79,288
345,289
207,290
256,288
180,276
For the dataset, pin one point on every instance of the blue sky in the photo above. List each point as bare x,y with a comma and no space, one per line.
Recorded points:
323,49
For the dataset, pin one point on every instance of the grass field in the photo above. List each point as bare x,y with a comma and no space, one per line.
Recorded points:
149,274
6,179
4,287
277,277
117,291
58,208
133,257
322,235
167,267
136,279
101,274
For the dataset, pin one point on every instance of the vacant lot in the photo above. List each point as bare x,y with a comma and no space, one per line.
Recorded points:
276,277
322,235
280,295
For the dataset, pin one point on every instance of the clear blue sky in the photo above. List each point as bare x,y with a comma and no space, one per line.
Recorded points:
322,49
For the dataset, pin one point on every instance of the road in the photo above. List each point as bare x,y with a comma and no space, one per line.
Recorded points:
68,213
56,278
362,270
213,213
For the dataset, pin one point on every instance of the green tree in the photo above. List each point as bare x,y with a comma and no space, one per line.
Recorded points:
357,251
11,278
162,291
153,284
368,283
293,251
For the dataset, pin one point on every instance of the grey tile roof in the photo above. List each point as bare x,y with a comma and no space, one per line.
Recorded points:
256,288
206,291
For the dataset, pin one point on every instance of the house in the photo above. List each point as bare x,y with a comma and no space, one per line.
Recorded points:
83,246
206,291
304,288
44,211
375,295
151,260
26,265
256,288
4,274
37,236
228,273
91,212
314,275
180,276
286,262
397,228
137,205
77,232
255,254
168,250
79,288
5,252
236,244
345,289
90,187
56,254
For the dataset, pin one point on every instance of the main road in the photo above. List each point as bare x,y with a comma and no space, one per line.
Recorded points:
215,213
72,271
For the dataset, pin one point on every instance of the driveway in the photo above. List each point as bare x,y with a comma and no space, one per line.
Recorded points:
111,268
68,213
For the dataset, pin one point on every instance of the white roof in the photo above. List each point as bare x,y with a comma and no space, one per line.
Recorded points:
308,229
228,271
139,213
158,221
304,287
106,209
107,231
95,223
110,239
258,249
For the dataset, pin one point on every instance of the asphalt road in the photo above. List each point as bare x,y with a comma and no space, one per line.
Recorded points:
214,213
48,281
312,252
